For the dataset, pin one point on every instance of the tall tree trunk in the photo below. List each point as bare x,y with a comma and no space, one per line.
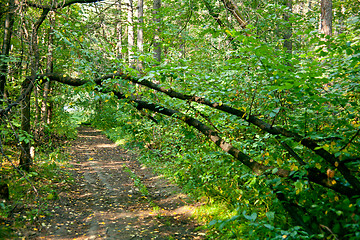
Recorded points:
288,29
119,32
8,28
37,119
25,160
157,20
131,33
49,69
326,17
140,35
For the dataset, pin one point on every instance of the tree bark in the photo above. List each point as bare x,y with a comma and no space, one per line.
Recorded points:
326,17
8,28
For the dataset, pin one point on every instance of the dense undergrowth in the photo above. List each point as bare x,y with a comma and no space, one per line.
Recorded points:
237,205
300,112
31,193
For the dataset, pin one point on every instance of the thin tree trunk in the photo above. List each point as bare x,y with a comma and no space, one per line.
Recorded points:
119,33
38,117
49,69
140,34
25,159
131,33
326,17
8,28
288,29
157,20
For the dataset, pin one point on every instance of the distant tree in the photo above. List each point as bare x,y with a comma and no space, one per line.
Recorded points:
140,32
130,29
157,21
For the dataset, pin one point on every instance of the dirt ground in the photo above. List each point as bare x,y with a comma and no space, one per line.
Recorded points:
105,203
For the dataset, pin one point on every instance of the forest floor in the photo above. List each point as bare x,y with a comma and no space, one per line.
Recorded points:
106,199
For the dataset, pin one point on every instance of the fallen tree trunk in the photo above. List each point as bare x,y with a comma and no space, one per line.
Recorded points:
314,175
334,162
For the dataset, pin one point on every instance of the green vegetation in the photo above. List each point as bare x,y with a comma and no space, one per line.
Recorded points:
250,106
31,194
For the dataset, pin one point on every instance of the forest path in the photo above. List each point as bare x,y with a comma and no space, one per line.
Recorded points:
104,202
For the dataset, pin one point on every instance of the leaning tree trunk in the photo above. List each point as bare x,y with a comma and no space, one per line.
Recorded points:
326,17
8,27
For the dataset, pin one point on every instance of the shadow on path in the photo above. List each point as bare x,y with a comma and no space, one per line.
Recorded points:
104,203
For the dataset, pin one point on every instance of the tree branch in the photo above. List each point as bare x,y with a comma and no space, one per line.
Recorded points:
60,4
274,130
314,175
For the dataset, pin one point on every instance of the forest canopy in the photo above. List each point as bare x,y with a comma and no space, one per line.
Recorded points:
254,104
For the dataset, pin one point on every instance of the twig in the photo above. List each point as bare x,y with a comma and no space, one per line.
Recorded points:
206,118
291,151
352,139
328,229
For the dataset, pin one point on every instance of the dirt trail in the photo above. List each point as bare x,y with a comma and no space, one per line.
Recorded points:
105,203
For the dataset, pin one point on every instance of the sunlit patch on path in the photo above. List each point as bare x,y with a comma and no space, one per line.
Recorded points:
104,203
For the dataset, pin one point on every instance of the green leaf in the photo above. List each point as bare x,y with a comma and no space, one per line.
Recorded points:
213,222
271,227
270,216
251,217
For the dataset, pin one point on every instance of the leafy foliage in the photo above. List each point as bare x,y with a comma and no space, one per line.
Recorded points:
306,99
